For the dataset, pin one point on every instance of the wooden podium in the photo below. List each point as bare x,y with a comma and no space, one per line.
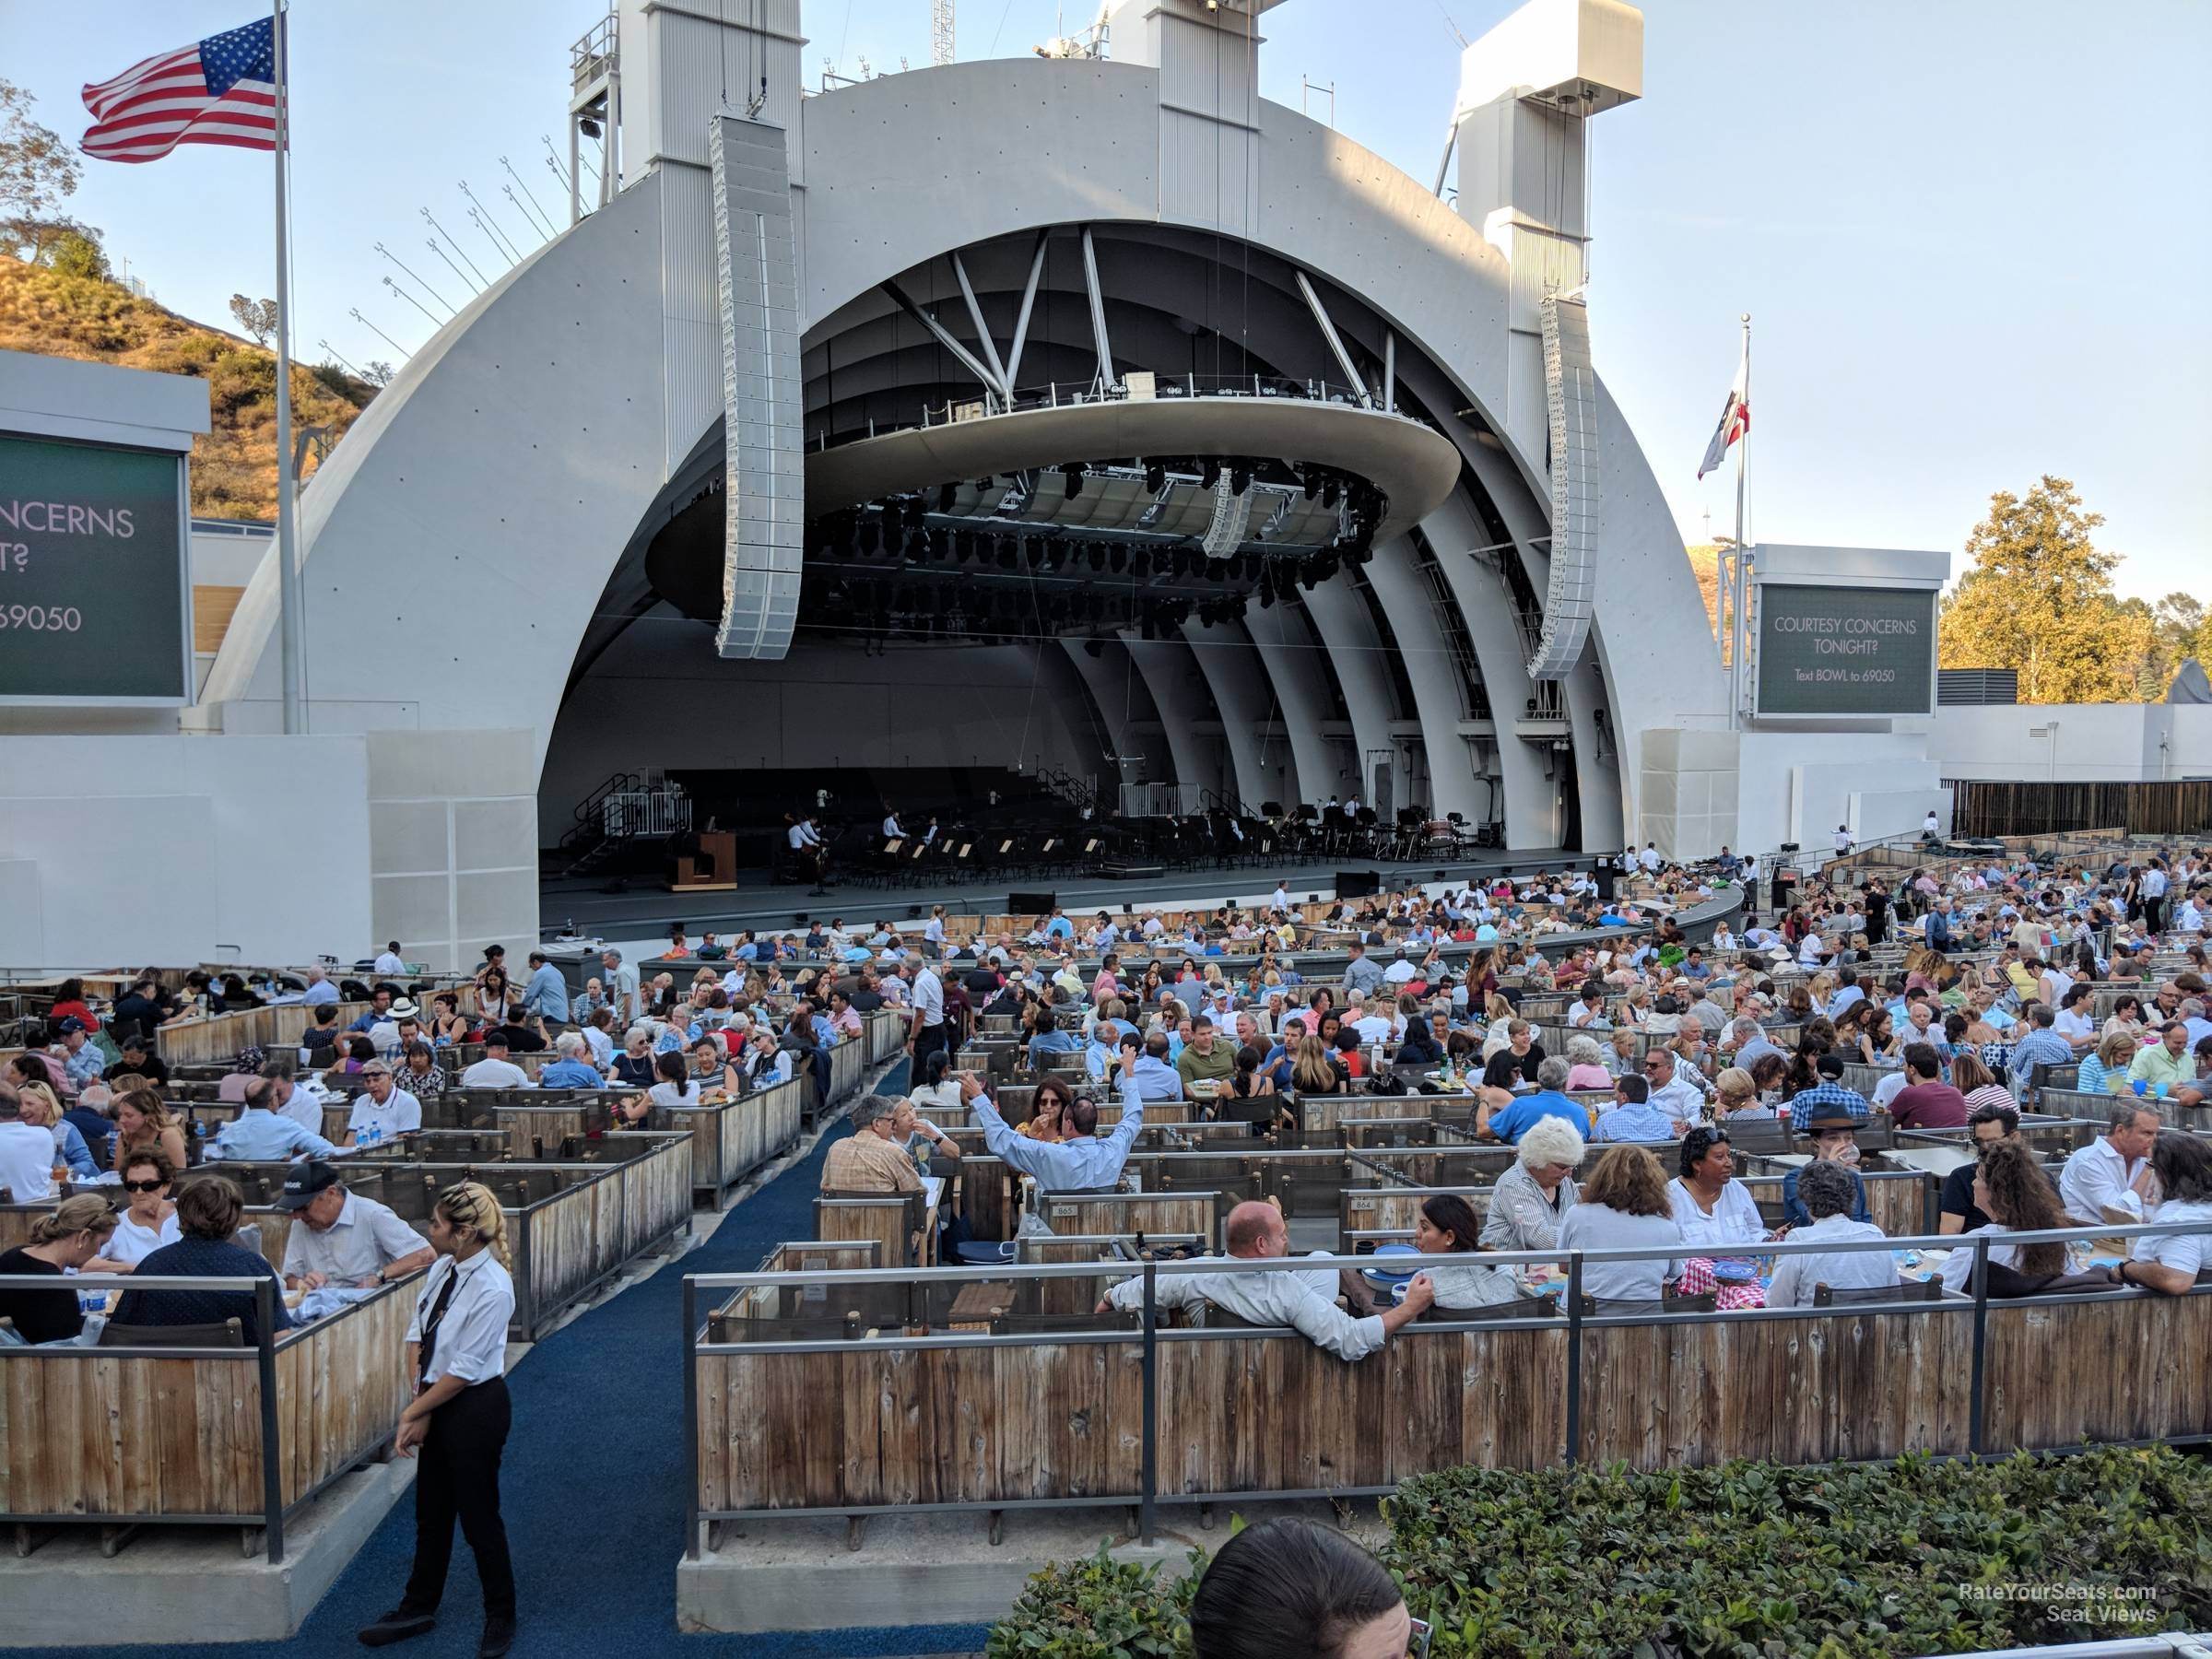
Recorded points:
711,869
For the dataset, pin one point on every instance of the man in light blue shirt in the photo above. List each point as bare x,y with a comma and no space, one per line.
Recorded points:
547,994
1150,1061
1847,992
86,1061
569,1071
1360,974
258,1135
319,989
1635,1118
1083,1164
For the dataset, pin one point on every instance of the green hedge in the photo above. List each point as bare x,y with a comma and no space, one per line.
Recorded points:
1889,1560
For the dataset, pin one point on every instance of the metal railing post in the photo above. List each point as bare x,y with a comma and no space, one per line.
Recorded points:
1973,1410
690,1421
272,1447
1574,1358
1149,1477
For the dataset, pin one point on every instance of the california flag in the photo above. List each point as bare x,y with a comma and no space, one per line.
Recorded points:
1735,419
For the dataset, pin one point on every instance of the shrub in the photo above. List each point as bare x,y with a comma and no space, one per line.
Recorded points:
1884,1561
1099,1608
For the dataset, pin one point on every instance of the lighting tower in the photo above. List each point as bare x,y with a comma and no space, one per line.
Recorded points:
940,32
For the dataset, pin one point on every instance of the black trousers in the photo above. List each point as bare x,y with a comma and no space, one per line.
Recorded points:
460,1478
927,1041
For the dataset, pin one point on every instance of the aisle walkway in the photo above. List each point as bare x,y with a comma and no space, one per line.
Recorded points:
593,1489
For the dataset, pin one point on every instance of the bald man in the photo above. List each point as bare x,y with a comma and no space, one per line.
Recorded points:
1280,1296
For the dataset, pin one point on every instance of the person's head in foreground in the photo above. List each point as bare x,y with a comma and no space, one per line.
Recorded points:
1294,1589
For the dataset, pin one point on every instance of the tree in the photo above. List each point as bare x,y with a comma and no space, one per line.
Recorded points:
78,253
378,373
38,172
2039,599
257,317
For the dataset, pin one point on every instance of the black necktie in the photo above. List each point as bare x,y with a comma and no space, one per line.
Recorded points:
430,1329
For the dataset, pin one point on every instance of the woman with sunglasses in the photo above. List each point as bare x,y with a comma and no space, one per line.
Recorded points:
151,1220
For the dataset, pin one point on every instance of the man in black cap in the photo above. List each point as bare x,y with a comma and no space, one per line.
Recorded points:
340,1238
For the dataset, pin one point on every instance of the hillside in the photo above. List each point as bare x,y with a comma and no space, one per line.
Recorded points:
1704,564
234,466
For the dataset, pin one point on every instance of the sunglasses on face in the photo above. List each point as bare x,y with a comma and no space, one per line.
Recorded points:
144,1186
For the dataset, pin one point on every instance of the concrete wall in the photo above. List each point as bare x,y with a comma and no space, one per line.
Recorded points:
2096,743
454,843
1754,790
177,849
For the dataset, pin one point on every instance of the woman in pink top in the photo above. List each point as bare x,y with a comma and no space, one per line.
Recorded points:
1586,1065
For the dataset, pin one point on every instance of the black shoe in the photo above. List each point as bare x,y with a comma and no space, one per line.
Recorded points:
399,1625
499,1636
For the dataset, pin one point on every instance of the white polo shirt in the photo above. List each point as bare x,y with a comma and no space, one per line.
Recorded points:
400,1114
366,1238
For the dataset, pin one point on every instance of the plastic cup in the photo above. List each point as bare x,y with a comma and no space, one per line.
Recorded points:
2140,1087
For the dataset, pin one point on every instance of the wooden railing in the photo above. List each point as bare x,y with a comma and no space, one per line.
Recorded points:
198,1436
1030,1411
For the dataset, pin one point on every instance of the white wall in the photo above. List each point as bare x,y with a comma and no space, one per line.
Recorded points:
130,850
2099,743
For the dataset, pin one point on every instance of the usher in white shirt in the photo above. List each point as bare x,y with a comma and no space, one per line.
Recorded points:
471,1338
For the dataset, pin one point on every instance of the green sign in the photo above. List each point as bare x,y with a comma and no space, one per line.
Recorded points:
92,574
1846,650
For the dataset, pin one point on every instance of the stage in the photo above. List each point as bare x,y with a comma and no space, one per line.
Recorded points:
645,913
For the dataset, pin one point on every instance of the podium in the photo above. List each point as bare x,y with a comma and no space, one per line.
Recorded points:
710,868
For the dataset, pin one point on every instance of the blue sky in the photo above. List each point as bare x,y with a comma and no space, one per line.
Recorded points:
1972,233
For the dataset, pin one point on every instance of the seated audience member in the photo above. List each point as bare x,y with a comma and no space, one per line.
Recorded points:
569,1068
1446,1226
209,1211
1534,1196
419,1072
39,1106
1257,1231
870,1159
2012,1190
633,1066
2172,1263
343,1238
1826,1192
151,1220
1926,1101
257,1134
2104,1070
1633,1117
2109,1179
1315,1072
143,1123
1956,1210
1295,1589
88,1114
676,1085
1716,1214
1672,1090
383,1108
938,1089
496,1070
1735,1095
1587,1065
1625,1205
1049,1038
1510,1120
2166,1061
1836,1141
67,1241
1827,1095
138,1061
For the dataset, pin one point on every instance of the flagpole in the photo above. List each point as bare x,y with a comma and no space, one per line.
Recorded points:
287,564
1743,475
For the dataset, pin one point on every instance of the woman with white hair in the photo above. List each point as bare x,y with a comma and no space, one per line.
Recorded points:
1587,1065
1533,1197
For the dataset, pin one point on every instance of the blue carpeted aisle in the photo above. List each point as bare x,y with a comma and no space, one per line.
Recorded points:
593,1489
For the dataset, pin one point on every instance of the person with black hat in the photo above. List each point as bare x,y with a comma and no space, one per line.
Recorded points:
341,1238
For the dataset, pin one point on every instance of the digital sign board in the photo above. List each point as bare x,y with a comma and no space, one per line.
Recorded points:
1849,650
94,605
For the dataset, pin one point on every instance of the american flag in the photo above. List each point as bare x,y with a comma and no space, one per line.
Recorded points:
219,90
